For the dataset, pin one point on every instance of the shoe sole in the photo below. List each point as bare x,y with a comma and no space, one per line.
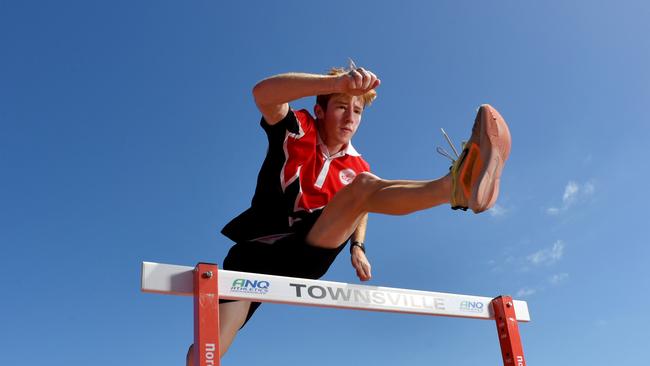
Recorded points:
493,145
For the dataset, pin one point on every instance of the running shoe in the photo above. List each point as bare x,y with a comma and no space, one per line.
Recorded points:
476,173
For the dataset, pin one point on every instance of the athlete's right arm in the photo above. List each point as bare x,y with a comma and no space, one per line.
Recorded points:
272,95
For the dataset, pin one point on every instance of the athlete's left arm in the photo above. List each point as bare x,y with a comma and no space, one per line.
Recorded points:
359,260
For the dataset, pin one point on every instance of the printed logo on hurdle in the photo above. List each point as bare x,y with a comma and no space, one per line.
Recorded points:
472,306
247,286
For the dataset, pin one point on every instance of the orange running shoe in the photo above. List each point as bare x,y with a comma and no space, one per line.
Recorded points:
476,173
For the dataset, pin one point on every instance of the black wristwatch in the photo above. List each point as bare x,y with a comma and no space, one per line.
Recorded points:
357,244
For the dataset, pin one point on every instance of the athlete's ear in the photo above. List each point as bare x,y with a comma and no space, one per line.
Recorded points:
319,112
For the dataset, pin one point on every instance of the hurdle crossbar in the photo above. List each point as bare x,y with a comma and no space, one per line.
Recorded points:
207,284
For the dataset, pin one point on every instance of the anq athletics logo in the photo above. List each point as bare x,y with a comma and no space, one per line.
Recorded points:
471,306
243,285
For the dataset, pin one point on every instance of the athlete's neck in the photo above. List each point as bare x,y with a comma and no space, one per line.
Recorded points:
332,148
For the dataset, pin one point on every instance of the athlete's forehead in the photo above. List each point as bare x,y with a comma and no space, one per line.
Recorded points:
347,98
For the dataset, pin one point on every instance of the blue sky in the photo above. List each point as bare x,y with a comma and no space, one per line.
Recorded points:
128,133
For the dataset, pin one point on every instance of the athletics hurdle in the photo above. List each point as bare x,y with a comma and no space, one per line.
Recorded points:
207,284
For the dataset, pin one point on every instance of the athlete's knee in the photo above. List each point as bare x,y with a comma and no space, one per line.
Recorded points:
363,186
365,183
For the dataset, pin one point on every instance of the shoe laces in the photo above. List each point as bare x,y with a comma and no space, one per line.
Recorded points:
444,152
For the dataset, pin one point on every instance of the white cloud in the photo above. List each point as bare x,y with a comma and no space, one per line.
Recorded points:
552,211
570,191
558,278
547,256
498,210
573,193
525,292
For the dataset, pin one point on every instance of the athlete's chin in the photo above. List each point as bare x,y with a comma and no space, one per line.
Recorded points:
346,135
345,141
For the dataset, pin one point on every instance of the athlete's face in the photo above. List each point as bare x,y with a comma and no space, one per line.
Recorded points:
340,121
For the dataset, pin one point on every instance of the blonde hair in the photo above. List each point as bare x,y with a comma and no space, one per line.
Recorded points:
323,99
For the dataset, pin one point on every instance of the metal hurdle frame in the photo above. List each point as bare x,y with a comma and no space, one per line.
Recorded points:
207,284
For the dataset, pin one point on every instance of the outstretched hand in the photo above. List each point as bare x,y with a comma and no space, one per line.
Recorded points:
361,264
358,81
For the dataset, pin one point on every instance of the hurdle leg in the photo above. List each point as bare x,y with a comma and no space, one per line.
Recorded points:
206,315
511,349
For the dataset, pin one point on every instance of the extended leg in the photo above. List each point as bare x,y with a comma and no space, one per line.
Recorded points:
473,183
369,193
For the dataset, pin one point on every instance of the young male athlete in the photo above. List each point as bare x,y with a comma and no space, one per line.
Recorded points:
314,190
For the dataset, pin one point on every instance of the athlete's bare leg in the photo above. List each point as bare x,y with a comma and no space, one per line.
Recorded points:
369,193
231,318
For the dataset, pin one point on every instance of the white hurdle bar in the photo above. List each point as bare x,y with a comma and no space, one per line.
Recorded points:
208,284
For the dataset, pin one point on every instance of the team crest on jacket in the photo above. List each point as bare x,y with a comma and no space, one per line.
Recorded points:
347,176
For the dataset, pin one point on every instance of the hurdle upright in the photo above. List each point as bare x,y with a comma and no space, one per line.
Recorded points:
207,284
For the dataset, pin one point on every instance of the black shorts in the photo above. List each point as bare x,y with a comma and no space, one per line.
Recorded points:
290,256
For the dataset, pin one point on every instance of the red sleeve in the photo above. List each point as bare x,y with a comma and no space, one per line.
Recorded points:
305,120
298,123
